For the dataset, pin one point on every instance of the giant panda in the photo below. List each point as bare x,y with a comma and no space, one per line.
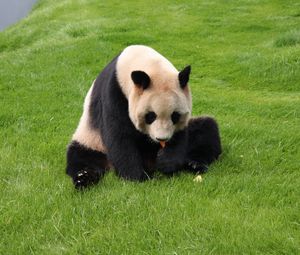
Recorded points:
137,119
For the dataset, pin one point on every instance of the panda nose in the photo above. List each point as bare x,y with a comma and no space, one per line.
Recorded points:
162,139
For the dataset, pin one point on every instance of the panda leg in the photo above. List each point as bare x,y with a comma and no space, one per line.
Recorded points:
85,166
204,144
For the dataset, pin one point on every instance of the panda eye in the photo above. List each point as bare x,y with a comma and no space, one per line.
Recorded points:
175,117
150,117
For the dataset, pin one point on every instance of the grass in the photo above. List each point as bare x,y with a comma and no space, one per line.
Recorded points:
245,57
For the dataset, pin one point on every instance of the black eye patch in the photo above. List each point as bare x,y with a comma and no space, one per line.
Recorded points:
175,117
150,117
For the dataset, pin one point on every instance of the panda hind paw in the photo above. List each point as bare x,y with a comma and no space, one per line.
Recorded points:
197,167
85,178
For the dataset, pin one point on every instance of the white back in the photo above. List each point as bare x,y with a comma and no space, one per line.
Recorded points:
85,134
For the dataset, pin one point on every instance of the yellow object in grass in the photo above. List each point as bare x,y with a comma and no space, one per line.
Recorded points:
198,178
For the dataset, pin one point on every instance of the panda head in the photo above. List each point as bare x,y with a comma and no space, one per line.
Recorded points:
160,105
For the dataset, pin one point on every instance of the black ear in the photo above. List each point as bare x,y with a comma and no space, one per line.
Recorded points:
184,76
140,79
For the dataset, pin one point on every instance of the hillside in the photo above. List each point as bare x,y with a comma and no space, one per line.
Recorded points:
245,58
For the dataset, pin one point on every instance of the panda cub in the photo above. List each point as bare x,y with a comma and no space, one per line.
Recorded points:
137,119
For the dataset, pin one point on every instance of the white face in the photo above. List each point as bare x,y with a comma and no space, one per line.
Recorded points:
158,95
160,114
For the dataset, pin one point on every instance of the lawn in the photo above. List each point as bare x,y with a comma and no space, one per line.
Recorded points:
245,58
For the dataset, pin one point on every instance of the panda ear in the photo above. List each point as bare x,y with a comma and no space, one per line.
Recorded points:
140,79
184,76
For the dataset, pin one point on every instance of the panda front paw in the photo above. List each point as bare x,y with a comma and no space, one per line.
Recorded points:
85,178
169,161
197,167
166,166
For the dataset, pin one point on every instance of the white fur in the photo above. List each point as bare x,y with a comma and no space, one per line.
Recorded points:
84,133
163,96
142,58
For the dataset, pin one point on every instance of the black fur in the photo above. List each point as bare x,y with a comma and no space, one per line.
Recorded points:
109,114
133,154
171,159
192,149
204,144
184,76
140,79
84,165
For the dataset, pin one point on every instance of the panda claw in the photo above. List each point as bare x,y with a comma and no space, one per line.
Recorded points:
86,178
197,167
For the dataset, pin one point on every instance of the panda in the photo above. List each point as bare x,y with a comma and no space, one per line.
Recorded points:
137,119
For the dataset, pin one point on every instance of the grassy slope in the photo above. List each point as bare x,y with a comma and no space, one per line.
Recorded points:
246,72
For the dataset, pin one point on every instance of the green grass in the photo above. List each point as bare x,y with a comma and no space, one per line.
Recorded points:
245,57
